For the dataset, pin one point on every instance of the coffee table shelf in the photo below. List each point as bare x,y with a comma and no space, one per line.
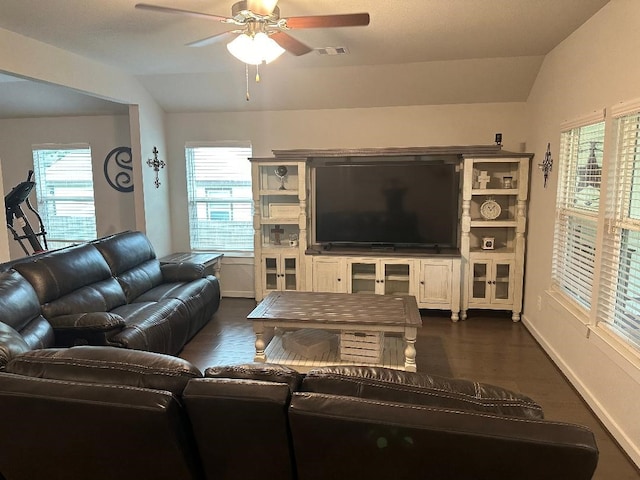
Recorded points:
393,356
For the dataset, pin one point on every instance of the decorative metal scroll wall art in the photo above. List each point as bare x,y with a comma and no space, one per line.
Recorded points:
547,165
118,168
156,165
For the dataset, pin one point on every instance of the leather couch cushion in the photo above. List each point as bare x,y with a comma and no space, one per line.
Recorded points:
132,261
386,384
57,274
100,296
140,279
161,327
125,251
107,365
266,372
241,426
20,310
339,437
57,429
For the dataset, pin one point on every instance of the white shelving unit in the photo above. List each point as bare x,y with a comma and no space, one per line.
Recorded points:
493,249
280,224
477,277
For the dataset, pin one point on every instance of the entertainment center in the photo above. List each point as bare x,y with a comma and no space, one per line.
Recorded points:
444,224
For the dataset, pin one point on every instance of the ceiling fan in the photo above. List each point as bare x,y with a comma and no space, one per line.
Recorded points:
255,17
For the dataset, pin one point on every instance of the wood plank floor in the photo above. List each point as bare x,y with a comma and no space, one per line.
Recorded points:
488,347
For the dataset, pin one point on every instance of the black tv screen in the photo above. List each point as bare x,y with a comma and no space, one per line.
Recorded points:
401,204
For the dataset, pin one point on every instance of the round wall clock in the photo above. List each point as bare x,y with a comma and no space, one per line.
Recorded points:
490,209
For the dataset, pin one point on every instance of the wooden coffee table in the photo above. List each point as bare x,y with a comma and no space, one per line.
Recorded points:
394,314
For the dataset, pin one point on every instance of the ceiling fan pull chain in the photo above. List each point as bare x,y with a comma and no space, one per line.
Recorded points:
246,77
257,73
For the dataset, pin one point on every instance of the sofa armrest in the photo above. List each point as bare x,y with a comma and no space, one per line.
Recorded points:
88,328
181,272
11,344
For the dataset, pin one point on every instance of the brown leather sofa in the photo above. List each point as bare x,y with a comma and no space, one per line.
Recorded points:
112,291
99,412
105,413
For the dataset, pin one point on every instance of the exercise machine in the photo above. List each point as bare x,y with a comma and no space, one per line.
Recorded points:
13,201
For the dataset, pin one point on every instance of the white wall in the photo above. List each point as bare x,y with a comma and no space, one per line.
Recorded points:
32,59
594,68
114,210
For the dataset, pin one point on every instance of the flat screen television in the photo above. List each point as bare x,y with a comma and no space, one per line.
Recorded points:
390,204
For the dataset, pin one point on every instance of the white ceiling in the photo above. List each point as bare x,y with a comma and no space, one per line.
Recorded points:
414,52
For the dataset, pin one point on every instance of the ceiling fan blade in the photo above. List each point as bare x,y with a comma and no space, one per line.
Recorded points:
324,21
158,8
290,44
261,7
218,37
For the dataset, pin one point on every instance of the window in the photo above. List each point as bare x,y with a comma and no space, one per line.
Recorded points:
219,197
619,295
577,205
64,190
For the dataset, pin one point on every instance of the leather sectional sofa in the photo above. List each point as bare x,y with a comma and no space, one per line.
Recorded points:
72,406
105,413
112,291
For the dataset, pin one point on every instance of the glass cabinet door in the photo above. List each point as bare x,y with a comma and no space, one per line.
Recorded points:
289,274
363,277
502,283
480,281
270,275
397,278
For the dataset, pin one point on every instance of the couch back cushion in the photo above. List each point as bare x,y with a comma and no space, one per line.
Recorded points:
59,429
72,280
337,436
107,365
243,405
20,311
132,261
386,384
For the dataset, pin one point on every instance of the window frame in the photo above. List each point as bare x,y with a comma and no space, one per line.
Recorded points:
200,207
577,225
46,202
621,219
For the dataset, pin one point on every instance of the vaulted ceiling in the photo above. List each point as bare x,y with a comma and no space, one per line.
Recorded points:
414,52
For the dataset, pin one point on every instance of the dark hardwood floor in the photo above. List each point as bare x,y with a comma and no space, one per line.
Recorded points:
488,347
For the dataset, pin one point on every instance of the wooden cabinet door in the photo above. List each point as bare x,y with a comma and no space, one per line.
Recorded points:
329,275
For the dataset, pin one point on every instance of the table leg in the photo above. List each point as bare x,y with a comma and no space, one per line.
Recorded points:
258,328
217,266
410,334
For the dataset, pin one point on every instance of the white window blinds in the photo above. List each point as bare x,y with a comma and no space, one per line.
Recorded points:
219,197
577,204
619,296
64,190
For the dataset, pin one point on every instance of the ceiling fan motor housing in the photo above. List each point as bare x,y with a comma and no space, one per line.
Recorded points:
241,13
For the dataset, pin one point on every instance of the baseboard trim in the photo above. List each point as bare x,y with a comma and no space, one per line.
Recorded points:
618,433
238,294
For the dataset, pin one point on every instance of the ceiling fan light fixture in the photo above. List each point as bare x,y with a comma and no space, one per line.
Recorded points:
255,49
